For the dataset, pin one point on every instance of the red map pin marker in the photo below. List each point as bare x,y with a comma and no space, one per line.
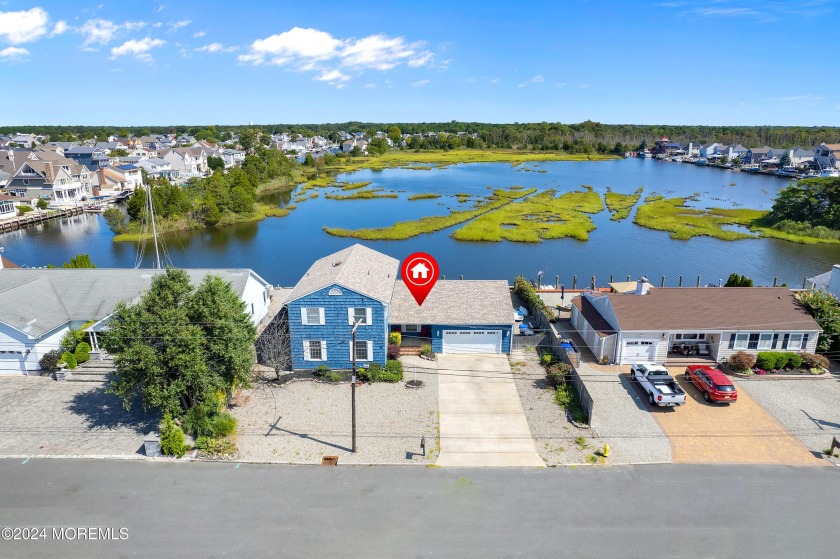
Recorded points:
419,272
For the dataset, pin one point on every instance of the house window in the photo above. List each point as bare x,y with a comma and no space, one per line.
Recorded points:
411,328
315,350
741,341
361,351
359,315
25,181
765,341
312,316
795,341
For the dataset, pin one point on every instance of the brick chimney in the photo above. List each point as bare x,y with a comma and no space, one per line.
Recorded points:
49,172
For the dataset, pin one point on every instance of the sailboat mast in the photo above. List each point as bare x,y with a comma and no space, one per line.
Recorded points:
154,230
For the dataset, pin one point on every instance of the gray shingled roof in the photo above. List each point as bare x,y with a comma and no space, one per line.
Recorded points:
37,301
453,302
357,267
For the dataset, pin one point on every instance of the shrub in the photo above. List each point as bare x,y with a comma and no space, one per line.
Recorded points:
529,297
766,360
82,353
24,209
814,361
557,374
426,350
563,396
393,351
794,360
69,359
334,376
372,374
393,371
395,338
197,420
321,370
49,361
171,438
215,447
222,425
546,358
742,360
42,204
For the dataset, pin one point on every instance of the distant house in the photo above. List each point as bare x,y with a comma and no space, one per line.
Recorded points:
830,281
733,152
359,285
123,177
157,167
91,157
186,162
710,150
39,306
625,328
756,155
826,155
43,179
801,157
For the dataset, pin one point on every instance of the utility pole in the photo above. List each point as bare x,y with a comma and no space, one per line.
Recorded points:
154,230
353,383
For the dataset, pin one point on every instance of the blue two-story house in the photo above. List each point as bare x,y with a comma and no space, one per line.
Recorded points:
359,285
354,285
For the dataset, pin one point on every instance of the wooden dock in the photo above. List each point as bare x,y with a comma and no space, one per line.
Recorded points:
34,217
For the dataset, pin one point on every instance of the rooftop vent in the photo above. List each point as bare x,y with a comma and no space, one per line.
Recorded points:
334,264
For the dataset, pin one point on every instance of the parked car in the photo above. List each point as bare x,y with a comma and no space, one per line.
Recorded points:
714,385
661,388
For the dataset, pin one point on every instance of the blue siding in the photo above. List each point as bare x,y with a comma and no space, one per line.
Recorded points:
336,330
437,334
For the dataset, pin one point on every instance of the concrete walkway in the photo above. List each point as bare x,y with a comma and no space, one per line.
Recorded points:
482,422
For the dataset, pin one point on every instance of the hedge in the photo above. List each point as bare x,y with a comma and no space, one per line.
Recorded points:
528,295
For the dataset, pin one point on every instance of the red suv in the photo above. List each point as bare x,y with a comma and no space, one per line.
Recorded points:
712,383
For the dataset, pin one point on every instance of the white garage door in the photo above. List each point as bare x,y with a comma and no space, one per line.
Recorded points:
472,341
10,362
638,350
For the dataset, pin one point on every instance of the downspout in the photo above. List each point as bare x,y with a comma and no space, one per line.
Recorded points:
617,348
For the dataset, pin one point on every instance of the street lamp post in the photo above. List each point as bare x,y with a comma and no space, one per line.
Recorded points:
353,382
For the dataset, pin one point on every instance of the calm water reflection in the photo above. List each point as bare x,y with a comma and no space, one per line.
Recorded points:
281,249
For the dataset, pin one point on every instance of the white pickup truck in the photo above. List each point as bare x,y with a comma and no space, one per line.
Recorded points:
661,388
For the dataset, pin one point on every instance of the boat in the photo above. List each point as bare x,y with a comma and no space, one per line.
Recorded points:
701,161
787,171
829,173
94,209
644,154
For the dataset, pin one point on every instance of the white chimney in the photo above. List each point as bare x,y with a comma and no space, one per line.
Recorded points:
834,282
642,286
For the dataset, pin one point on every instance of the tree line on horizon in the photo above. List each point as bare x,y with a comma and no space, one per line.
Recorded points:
584,137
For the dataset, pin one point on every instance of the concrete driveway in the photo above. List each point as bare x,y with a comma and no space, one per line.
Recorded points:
482,422
742,432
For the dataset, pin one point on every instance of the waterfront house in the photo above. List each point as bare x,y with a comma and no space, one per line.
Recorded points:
157,167
654,324
39,306
45,179
359,285
710,150
826,155
733,152
801,157
122,177
8,206
91,157
756,155
186,162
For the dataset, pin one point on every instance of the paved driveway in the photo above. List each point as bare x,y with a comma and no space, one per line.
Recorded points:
42,417
482,422
739,433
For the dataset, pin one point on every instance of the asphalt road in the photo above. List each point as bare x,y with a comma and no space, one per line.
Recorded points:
225,510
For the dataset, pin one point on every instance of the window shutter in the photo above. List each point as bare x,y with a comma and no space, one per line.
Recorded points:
775,341
303,315
753,343
368,313
350,316
351,351
323,348
306,350
321,316
785,341
805,341
370,350
732,341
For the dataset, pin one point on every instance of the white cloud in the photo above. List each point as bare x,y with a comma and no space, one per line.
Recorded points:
157,24
585,85
138,49
494,80
24,26
199,34
536,79
333,77
370,86
419,83
215,47
59,28
305,49
179,24
561,84
13,53
100,31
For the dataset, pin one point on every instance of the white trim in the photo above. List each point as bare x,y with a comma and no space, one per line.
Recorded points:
746,341
764,336
368,315
351,315
790,339
307,352
370,350
417,328
321,316
323,350
305,318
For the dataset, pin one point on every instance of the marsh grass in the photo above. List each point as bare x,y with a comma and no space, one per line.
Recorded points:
620,205
543,216
430,224
362,195
353,185
672,215
426,196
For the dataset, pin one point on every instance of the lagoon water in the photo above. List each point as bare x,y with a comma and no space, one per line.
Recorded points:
281,249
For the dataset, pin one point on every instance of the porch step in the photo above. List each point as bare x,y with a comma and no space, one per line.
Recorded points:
408,350
686,361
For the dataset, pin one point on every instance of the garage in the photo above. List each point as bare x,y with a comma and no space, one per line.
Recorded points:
10,362
472,341
638,350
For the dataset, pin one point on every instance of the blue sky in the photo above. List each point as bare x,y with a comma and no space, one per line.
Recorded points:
140,62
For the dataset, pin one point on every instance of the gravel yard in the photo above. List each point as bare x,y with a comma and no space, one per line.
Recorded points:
554,435
808,408
303,420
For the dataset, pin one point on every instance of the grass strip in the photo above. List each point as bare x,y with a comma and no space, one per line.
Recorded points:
361,195
620,205
426,196
672,215
544,216
407,229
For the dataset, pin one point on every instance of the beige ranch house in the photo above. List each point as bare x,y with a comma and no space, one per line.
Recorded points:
712,323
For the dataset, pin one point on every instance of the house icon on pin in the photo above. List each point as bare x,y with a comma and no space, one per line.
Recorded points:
419,271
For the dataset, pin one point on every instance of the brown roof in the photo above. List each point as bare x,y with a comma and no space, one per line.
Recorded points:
833,147
593,317
711,308
455,302
8,263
